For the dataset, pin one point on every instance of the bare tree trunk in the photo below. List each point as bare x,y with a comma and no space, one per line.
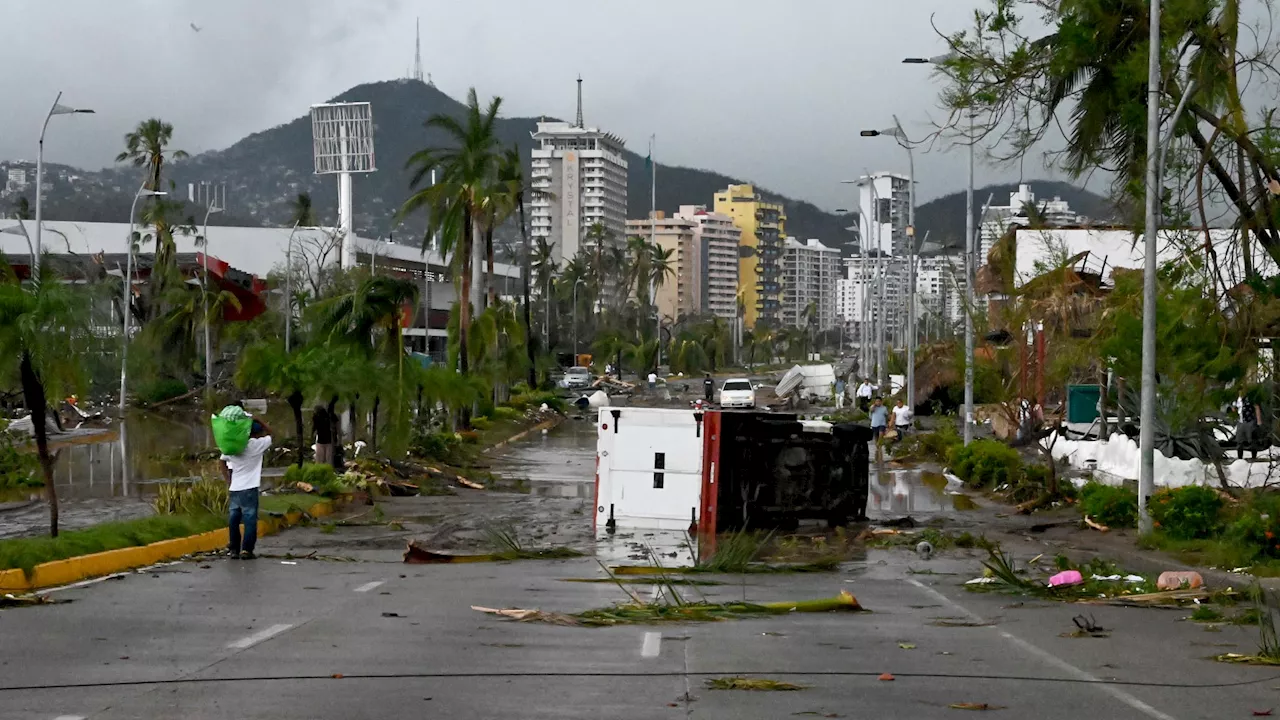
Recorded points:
528,321
34,397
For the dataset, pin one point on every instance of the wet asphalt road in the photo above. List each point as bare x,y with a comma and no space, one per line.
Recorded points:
370,637
248,640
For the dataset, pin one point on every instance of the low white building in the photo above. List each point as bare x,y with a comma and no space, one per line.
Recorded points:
261,251
999,218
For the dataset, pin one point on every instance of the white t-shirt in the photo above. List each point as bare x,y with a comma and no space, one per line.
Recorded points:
246,468
653,378
864,390
902,416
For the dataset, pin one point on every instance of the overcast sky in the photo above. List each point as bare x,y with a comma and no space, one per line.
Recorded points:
774,92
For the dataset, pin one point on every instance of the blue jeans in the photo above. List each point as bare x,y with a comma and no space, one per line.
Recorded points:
244,508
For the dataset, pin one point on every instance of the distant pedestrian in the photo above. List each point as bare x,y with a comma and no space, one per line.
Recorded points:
839,393
653,380
322,433
1247,427
902,418
864,393
244,473
708,387
879,418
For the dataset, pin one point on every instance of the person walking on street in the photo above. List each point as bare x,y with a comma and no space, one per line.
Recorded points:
879,419
653,380
839,393
244,473
864,393
902,417
708,387
1247,427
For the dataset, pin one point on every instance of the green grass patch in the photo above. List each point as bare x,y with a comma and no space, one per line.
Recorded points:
287,502
26,553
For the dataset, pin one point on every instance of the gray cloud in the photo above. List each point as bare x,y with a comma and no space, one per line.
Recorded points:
773,92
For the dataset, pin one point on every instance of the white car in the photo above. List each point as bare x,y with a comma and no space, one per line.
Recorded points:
737,393
576,378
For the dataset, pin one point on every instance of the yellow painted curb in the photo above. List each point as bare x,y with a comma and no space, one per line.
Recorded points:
71,570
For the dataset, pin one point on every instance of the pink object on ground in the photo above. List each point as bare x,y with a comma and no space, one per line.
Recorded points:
1066,577
1179,579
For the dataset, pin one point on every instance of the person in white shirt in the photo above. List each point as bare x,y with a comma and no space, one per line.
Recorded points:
244,473
902,417
653,380
864,392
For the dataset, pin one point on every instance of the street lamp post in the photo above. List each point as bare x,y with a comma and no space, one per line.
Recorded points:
575,319
897,133
969,265
55,110
1146,427
208,342
128,294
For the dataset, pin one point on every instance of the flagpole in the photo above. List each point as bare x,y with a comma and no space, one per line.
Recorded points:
653,238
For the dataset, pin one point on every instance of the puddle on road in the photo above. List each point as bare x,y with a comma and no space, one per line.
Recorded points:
560,463
902,492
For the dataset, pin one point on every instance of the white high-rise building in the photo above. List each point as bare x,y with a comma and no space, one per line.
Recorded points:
578,178
715,247
861,283
940,288
810,274
999,218
884,200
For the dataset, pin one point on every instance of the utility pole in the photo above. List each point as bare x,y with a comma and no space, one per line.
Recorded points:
1146,433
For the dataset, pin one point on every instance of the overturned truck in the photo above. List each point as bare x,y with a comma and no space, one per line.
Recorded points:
716,471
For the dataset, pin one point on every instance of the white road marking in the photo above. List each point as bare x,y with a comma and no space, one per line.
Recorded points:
652,645
1050,658
69,717
254,639
370,585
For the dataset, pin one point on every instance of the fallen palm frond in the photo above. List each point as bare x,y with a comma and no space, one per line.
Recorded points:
757,684
1247,659
636,613
828,564
415,554
510,547
661,580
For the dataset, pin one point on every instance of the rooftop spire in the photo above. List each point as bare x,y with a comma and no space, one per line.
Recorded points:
579,124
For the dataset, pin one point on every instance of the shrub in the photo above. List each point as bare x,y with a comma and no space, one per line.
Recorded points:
470,437
503,412
935,445
206,496
1257,524
159,390
320,476
1188,513
985,463
535,400
18,468
481,423
1111,506
435,445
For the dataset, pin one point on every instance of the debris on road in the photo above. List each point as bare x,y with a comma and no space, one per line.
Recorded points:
1095,525
1179,580
10,601
637,613
1066,578
755,684
885,677
974,706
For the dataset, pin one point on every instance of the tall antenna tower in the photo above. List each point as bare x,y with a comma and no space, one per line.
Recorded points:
417,50
579,124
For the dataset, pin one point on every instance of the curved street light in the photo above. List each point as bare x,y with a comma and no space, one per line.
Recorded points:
57,109
128,294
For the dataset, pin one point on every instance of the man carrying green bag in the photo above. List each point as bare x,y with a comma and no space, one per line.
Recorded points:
234,429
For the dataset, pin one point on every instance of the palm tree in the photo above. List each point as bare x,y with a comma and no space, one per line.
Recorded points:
638,278
266,366
513,173
148,147
662,267
301,211
454,202
544,267
39,323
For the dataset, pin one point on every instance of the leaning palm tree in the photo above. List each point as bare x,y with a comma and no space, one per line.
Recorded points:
465,169
39,326
512,173
148,147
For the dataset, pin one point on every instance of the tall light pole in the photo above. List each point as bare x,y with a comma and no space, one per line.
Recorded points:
288,288
128,294
55,110
579,281
896,132
208,342
969,265
1146,431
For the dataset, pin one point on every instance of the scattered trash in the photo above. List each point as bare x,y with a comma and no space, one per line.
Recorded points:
1262,713
906,646
391,614
1066,578
981,581
1109,578
1179,580
746,683
1247,659
975,706
924,549
1095,525
28,600
1134,578
469,483
288,562
947,622
885,677
336,676
637,613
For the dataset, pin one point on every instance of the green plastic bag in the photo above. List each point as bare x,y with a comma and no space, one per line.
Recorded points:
231,429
